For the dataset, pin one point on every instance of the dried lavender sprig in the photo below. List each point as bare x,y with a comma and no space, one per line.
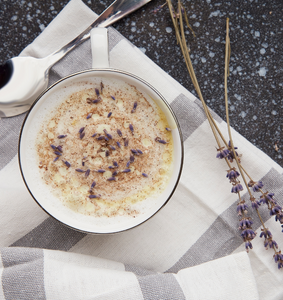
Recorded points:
144,175
113,97
131,128
126,171
107,153
100,171
118,144
109,115
94,135
57,153
126,142
56,158
80,170
89,116
115,173
115,164
97,91
112,147
82,135
87,172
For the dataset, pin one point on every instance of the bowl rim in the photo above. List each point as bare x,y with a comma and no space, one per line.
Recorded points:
93,71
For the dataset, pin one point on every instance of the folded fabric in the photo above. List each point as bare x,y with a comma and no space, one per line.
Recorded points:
191,249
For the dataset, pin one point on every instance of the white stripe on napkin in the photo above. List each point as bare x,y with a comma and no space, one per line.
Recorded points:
226,278
19,212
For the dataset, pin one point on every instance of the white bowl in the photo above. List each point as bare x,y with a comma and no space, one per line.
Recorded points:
47,102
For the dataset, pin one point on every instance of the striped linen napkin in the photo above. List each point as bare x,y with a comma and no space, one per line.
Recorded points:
191,249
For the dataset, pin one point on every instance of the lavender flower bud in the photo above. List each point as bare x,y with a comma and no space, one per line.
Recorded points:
67,164
232,174
119,132
236,188
61,136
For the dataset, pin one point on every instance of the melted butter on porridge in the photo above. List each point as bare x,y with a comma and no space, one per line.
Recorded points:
105,148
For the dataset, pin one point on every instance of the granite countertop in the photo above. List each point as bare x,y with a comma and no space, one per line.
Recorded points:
256,66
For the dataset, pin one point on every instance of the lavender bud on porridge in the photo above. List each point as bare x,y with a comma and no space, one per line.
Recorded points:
67,164
119,132
61,136
115,173
111,179
59,148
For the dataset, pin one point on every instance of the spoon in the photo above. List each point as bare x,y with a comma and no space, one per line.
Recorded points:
23,79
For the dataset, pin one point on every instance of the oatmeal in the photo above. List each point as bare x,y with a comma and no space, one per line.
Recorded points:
105,148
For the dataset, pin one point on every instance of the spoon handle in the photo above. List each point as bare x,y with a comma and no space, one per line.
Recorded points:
116,11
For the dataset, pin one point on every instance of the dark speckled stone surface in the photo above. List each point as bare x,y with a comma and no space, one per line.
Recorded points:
256,81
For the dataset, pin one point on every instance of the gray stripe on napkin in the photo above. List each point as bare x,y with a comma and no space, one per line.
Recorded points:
73,61
160,286
215,116
50,234
138,270
114,38
23,274
223,236
9,137
189,114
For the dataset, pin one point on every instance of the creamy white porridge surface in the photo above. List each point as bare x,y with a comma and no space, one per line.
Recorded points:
104,149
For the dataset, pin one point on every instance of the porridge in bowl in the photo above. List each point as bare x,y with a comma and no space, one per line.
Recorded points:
104,149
